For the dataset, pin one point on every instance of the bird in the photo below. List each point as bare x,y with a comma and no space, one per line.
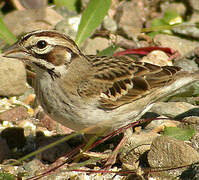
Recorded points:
93,92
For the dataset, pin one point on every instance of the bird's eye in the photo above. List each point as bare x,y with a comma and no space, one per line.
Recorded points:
41,44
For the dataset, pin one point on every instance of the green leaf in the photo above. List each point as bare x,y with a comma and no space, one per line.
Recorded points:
157,25
5,34
109,51
7,176
153,34
170,16
92,17
157,22
72,5
179,133
164,25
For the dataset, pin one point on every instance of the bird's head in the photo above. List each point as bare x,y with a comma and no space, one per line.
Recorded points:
44,50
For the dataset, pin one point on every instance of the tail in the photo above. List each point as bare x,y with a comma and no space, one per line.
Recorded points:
180,80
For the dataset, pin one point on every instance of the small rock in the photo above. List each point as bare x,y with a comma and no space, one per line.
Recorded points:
159,125
33,167
171,109
166,152
183,46
195,142
29,99
187,29
135,147
50,124
195,17
15,114
178,7
192,120
126,43
186,94
13,77
187,65
27,96
36,4
29,127
159,58
91,46
109,24
194,4
69,25
129,18
31,19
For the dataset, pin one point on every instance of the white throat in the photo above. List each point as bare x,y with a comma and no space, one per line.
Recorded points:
62,69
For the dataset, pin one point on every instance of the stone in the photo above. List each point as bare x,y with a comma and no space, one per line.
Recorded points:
169,153
135,147
178,7
187,65
170,157
15,114
194,4
129,18
13,77
31,19
171,109
157,57
53,125
92,46
183,46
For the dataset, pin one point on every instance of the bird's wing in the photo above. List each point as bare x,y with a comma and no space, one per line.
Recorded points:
118,81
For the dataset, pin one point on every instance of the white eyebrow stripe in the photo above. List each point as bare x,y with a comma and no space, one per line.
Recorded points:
50,40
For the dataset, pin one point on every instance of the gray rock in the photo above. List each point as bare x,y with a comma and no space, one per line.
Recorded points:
194,4
32,167
129,18
187,29
193,121
171,109
36,4
157,57
178,7
69,25
183,46
13,77
194,17
195,142
109,24
187,65
169,153
31,19
15,114
135,147
91,46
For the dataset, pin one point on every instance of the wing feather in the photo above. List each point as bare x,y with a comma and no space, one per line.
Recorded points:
118,81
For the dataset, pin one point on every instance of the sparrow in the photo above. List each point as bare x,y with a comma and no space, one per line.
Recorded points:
93,92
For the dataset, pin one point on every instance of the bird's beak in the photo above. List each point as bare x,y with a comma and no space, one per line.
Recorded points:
15,51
